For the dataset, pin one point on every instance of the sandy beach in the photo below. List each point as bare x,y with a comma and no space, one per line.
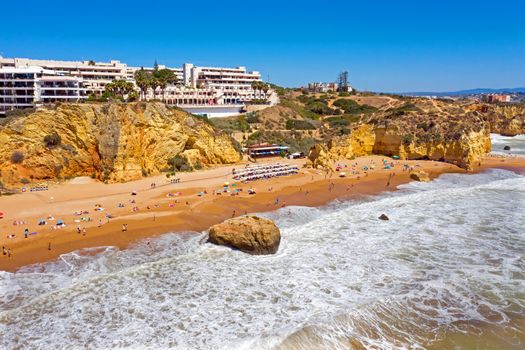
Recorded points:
178,207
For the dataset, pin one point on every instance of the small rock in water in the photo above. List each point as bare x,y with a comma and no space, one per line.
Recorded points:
506,148
383,217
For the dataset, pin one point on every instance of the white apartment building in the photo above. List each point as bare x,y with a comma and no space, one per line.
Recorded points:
322,87
206,91
211,86
32,86
95,75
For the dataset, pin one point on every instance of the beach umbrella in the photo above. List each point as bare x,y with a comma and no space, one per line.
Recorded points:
1,215
226,184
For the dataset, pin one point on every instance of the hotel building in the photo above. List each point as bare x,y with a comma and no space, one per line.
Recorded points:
33,86
95,75
210,91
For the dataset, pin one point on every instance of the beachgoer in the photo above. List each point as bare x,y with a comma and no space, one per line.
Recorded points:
49,246
100,222
84,231
124,227
26,232
4,250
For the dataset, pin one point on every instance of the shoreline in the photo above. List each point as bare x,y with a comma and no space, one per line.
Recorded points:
159,214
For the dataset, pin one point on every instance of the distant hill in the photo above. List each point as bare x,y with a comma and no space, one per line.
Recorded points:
467,92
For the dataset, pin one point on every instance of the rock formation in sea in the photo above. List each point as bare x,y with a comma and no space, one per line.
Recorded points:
420,175
249,234
112,142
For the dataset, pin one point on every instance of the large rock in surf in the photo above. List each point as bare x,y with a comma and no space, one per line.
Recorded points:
250,234
420,175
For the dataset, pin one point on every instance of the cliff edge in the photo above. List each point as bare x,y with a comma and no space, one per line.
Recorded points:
112,142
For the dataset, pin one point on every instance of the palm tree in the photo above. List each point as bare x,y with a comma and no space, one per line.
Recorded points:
143,80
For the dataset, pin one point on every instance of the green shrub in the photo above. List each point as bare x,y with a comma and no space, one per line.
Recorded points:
402,110
407,139
337,122
292,124
319,107
17,157
52,140
25,181
180,163
197,165
304,112
352,107
252,118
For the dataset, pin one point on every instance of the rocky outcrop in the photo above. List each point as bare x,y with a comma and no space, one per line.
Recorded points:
420,175
507,120
249,234
113,142
461,139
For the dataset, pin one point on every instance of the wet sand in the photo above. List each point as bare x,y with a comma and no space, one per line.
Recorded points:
187,211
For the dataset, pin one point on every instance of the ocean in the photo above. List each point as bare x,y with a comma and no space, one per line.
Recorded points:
448,268
516,144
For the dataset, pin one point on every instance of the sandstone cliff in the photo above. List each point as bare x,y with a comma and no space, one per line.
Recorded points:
112,142
461,139
508,120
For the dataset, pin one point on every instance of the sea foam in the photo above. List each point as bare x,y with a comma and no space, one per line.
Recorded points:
451,254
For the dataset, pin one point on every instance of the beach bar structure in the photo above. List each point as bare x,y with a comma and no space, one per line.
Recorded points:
265,150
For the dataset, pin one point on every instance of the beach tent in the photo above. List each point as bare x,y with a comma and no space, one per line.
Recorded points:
60,222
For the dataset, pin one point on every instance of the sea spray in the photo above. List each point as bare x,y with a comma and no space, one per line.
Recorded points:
450,257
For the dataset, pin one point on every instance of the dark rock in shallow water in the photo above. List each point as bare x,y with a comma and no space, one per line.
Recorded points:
383,217
506,148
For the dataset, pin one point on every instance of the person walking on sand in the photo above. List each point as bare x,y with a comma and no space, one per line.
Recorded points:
26,232
4,250
233,213
99,222
124,227
84,231
49,246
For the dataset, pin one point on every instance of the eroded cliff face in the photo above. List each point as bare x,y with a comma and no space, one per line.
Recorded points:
112,142
461,140
508,120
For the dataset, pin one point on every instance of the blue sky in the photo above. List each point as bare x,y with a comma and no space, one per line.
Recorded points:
390,46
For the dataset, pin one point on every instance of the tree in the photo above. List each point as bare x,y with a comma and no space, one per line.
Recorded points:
119,88
164,77
259,85
143,80
91,63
